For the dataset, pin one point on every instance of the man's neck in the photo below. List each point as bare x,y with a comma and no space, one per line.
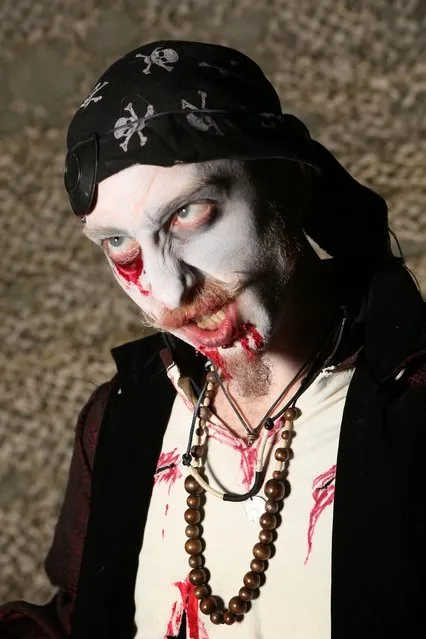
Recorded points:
306,321
310,311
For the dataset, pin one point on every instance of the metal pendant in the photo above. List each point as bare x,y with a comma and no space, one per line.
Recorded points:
255,507
251,439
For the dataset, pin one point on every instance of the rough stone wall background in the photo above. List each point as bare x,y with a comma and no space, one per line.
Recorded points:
354,71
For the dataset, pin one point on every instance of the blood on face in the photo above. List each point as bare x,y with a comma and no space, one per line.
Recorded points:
127,264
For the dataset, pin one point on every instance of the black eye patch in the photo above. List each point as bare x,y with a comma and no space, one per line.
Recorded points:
80,176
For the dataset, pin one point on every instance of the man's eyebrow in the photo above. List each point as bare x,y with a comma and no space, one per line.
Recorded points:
210,186
99,233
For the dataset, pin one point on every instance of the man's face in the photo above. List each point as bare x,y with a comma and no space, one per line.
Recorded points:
199,251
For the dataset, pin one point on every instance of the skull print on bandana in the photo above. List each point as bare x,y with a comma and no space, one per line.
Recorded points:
128,127
93,97
203,122
163,58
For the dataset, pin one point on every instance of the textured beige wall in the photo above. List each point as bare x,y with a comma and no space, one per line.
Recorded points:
355,71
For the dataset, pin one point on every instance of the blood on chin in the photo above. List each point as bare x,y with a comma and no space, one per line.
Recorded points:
248,338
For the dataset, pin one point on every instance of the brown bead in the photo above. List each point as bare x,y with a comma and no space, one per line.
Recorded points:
229,618
204,412
251,580
277,474
202,423
198,576
237,606
200,592
192,530
266,536
211,377
271,507
216,617
274,489
193,546
195,561
245,593
268,521
281,454
291,414
197,452
193,501
261,551
208,604
192,486
256,564
286,435
192,516
199,432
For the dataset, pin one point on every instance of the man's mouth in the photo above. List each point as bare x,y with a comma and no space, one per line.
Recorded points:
216,329
212,322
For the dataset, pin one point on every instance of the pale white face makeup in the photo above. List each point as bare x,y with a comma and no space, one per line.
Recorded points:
184,243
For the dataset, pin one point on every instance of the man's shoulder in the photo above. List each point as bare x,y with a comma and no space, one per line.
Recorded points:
139,353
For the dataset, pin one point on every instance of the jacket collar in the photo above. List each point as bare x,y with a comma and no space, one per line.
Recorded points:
395,327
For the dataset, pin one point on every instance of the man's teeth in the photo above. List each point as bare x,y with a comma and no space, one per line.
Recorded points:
211,322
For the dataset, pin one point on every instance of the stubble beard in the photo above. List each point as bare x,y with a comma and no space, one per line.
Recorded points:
251,373
250,378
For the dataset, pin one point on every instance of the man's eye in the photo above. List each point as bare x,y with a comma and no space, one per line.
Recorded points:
193,215
116,242
121,249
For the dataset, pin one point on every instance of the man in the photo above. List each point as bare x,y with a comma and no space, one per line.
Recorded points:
258,468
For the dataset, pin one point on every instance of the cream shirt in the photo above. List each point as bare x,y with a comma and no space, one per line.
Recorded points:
296,595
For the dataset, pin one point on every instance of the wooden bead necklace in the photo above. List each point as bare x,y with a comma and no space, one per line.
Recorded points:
274,490
196,486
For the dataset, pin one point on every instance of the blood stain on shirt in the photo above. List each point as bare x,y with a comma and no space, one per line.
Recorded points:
189,604
248,454
168,471
323,495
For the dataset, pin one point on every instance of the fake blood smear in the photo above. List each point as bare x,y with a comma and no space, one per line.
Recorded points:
132,271
188,604
245,344
216,358
248,455
256,336
323,495
168,471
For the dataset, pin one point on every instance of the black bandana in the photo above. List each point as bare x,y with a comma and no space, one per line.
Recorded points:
171,102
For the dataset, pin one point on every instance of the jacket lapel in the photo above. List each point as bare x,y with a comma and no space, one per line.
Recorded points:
377,576
128,449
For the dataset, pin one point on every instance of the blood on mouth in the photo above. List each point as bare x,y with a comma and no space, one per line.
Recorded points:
242,337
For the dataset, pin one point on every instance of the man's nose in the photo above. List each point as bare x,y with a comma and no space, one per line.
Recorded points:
172,289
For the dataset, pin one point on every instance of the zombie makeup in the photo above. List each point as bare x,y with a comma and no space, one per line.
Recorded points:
186,244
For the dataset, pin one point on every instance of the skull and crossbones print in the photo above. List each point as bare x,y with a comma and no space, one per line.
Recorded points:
164,58
93,97
200,122
128,127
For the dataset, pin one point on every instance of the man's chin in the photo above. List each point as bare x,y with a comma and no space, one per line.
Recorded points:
247,371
